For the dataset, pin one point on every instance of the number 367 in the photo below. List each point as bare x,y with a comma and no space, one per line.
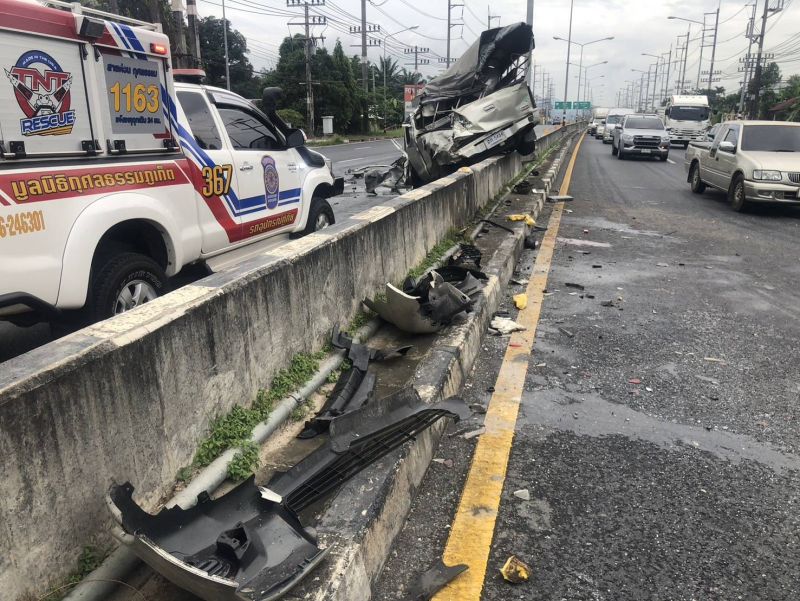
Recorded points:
217,180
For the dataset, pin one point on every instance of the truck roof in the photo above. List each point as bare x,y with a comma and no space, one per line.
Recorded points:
689,99
756,122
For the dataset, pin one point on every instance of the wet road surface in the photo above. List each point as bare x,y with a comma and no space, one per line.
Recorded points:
658,434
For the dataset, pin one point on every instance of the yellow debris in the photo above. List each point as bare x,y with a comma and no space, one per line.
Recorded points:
522,217
464,170
515,570
521,301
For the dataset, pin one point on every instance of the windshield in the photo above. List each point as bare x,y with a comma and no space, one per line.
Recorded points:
689,113
614,119
644,123
771,138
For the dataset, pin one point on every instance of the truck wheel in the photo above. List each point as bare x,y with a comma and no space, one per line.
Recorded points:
698,187
122,282
736,194
320,216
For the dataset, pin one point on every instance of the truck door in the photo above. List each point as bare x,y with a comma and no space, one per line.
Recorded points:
270,175
216,179
726,161
709,168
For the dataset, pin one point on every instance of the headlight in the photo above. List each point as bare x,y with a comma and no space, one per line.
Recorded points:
627,138
766,175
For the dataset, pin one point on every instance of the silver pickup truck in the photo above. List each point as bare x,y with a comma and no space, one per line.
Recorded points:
753,161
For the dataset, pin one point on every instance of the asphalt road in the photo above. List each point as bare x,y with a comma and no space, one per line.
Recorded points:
659,437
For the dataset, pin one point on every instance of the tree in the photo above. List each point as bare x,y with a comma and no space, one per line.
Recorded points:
151,11
212,51
410,77
770,77
387,70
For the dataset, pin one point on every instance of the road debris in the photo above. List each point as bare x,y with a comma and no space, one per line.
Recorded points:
444,462
523,494
560,198
505,326
713,360
519,282
249,543
515,570
521,301
474,433
433,580
607,303
573,285
634,381
530,242
523,187
566,332
522,217
662,264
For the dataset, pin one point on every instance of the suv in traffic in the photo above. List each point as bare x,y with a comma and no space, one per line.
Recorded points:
643,135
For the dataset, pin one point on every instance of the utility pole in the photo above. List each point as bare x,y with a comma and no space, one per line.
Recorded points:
225,43
713,52
194,32
416,51
760,57
665,93
681,86
366,42
569,48
751,29
490,17
702,45
179,57
364,45
310,41
450,25
529,21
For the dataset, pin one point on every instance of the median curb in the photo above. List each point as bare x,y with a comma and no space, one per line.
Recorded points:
366,515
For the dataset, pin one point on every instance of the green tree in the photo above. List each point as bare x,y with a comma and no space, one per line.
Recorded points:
407,77
212,51
770,77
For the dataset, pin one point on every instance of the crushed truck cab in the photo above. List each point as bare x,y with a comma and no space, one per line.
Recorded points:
113,177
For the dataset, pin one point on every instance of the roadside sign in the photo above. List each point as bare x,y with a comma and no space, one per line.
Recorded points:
583,105
563,105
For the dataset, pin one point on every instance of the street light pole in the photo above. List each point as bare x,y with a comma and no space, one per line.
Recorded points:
713,52
580,63
702,43
569,47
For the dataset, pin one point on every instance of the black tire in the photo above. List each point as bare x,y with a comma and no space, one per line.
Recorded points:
697,185
620,154
736,194
116,273
664,157
686,144
614,150
320,216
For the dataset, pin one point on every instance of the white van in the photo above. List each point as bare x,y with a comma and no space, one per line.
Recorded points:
614,119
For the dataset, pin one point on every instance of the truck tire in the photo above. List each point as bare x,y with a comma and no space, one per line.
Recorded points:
122,282
320,216
698,187
736,194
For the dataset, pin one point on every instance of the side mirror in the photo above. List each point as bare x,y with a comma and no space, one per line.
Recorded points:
296,138
270,98
727,147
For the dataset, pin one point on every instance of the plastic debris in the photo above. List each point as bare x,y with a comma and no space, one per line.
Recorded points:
434,580
521,301
474,433
634,381
713,360
522,217
573,285
515,570
504,325
662,264
523,494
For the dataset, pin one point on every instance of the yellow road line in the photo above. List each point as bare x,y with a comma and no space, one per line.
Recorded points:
473,528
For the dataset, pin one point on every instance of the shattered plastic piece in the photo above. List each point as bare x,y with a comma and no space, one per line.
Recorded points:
245,547
634,381
530,242
468,256
523,187
504,325
474,433
522,217
559,198
445,301
566,332
515,570
607,303
403,311
576,286
713,360
434,580
662,264
521,301
523,494
519,282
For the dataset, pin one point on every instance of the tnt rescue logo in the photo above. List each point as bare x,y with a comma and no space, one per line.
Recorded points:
41,89
271,181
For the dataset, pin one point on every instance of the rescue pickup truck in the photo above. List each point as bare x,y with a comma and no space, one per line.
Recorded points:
114,176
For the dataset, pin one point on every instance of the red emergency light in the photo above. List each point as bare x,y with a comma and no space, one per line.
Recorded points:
159,49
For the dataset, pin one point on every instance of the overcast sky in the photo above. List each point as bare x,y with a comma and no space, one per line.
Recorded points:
637,26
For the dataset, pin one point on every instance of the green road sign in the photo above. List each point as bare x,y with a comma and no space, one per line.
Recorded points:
563,105
583,105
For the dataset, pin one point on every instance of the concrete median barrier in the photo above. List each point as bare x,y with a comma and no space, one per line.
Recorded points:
130,398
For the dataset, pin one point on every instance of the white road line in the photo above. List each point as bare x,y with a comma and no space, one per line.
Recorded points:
351,160
362,147
670,161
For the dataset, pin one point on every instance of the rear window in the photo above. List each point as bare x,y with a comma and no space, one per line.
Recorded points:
614,119
644,123
771,138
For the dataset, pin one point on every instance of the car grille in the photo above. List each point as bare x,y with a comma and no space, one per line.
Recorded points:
686,133
646,141
794,177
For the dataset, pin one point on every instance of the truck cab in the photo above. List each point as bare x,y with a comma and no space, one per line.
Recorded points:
113,176
687,118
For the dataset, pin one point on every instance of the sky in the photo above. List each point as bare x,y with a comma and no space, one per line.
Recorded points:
638,26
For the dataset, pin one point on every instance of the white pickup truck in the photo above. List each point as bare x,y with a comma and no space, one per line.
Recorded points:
753,161
113,177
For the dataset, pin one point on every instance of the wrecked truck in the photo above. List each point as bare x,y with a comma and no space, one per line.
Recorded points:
480,106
